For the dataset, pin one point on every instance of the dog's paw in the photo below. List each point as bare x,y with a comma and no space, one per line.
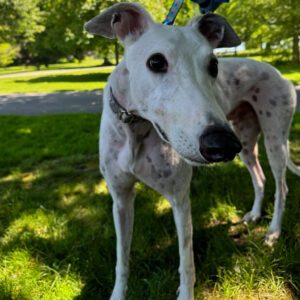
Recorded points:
271,238
251,216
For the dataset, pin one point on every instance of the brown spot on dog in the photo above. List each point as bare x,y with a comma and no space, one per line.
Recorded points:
285,102
260,112
236,81
159,112
239,113
245,151
107,161
273,102
285,96
264,76
257,90
148,158
268,114
254,98
167,173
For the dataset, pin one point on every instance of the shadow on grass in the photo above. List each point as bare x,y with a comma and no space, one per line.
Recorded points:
82,235
57,209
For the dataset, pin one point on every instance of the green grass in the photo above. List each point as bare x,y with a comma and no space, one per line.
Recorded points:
86,63
291,73
57,239
79,80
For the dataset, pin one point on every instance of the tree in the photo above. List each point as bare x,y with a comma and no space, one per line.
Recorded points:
273,22
20,21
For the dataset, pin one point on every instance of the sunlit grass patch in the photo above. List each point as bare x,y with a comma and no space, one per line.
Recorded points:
84,80
223,212
101,188
162,206
24,277
251,274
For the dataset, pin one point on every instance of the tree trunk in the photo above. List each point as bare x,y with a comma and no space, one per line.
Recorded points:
106,62
117,52
296,50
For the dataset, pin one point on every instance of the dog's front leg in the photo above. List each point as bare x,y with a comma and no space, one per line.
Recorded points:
183,221
123,214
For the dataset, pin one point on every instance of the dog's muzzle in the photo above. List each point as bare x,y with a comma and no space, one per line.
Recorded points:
218,143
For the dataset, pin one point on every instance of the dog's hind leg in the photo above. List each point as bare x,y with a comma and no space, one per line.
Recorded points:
247,128
277,151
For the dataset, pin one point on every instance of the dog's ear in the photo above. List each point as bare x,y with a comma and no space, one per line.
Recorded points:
217,30
127,21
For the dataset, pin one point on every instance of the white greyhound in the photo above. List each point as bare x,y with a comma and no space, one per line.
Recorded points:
166,108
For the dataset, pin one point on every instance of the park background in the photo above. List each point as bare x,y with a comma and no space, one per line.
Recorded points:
57,238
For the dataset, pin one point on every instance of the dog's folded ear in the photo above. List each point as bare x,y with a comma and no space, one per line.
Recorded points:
127,21
217,30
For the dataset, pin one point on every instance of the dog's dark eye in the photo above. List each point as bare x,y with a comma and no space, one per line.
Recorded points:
157,63
213,67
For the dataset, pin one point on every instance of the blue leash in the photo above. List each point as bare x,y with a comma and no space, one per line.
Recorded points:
170,19
205,6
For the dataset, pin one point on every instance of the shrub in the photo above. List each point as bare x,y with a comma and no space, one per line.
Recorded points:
8,53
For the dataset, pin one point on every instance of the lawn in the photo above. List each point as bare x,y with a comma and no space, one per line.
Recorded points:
291,73
79,80
57,236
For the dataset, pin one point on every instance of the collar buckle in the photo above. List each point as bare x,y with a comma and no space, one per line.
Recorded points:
123,115
126,117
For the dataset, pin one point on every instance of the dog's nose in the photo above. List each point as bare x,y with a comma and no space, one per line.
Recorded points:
218,143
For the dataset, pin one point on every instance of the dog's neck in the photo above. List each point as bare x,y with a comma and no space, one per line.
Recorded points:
130,135
119,100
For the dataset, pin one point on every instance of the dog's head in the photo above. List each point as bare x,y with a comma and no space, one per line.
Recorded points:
171,74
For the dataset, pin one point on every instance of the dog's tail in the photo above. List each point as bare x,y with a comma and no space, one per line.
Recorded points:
291,165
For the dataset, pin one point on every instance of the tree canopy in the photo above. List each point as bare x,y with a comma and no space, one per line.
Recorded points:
44,31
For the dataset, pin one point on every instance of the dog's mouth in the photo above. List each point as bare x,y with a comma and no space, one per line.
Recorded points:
195,162
161,133
190,161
